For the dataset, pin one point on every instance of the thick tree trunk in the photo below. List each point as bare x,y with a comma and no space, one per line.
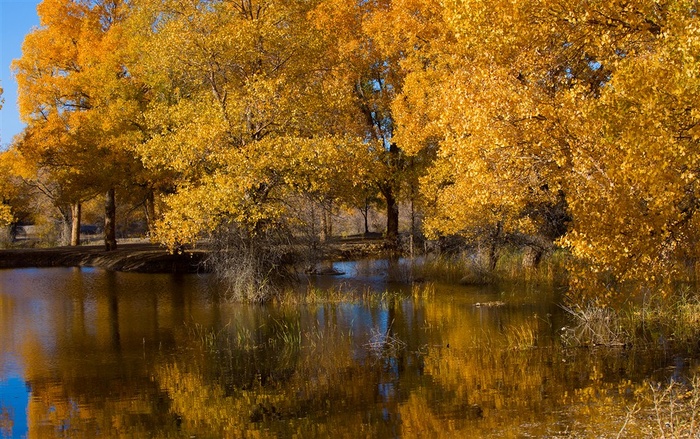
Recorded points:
392,204
494,242
110,220
75,210
392,215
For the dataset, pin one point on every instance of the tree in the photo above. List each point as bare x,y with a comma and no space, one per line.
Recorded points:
5,211
519,97
243,112
80,102
370,60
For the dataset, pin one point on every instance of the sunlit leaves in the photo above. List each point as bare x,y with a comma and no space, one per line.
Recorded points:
594,101
245,112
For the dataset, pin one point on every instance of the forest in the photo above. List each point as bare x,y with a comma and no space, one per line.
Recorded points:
541,124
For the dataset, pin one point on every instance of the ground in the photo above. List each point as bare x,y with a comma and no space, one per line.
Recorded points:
152,258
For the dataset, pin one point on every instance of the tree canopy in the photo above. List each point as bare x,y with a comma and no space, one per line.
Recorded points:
572,121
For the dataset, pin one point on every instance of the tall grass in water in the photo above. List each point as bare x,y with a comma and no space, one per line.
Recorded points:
523,336
676,318
251,268
336,295
672,321
511,266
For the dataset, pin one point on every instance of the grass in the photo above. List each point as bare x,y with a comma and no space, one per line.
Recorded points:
671,321
338,294
522,336
676,318
510,268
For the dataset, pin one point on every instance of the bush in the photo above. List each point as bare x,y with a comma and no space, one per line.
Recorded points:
251,267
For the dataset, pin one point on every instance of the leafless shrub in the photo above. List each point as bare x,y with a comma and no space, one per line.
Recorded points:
676,409
251,267
594,326
383,344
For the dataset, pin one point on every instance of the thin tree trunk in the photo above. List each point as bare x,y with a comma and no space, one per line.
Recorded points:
65,212
75,210
365,214
151,212
328,219
110,220
324,225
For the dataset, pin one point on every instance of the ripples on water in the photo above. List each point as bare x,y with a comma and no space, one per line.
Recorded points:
91,353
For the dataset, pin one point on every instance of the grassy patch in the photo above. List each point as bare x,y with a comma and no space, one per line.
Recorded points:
672,321
511,267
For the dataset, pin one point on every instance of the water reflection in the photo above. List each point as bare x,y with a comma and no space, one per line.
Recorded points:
86,353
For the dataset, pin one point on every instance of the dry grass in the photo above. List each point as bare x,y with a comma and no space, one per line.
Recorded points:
522,336
594,326
383,344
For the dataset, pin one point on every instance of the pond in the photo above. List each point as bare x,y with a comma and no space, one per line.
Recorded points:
93,353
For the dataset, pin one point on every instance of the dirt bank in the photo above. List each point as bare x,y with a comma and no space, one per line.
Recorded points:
151,258
144,258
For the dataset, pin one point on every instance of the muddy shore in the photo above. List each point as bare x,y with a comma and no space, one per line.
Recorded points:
152,258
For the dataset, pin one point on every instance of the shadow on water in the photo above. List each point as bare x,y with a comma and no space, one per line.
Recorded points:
87,353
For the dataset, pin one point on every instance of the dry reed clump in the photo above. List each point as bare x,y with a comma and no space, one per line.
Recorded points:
384,344
594,326
250,267
523,336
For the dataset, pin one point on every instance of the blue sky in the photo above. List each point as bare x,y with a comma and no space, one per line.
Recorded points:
17,18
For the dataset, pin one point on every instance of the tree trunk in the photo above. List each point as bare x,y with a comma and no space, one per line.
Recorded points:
392,215
532,257
150,212
324,225
493,247
75,210
365,215
110,220
328,219
64,238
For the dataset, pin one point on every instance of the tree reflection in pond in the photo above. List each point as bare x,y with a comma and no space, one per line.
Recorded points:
115,355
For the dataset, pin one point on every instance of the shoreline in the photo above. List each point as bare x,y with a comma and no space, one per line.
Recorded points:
140,258
153,258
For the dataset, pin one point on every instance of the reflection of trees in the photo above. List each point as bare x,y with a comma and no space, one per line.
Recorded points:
479,384
88,354
158,362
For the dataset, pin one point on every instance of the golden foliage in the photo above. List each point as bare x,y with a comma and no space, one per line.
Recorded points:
593,100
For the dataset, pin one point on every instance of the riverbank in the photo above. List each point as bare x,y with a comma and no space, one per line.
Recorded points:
140,257
144,257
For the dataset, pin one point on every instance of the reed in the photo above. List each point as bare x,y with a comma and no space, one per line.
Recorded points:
522,337
511,267
594,325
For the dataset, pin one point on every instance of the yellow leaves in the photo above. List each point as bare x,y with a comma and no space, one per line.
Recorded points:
582,97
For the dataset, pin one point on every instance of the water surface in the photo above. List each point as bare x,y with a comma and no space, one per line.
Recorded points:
92,353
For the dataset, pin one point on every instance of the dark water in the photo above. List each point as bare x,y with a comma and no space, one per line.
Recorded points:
91,353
